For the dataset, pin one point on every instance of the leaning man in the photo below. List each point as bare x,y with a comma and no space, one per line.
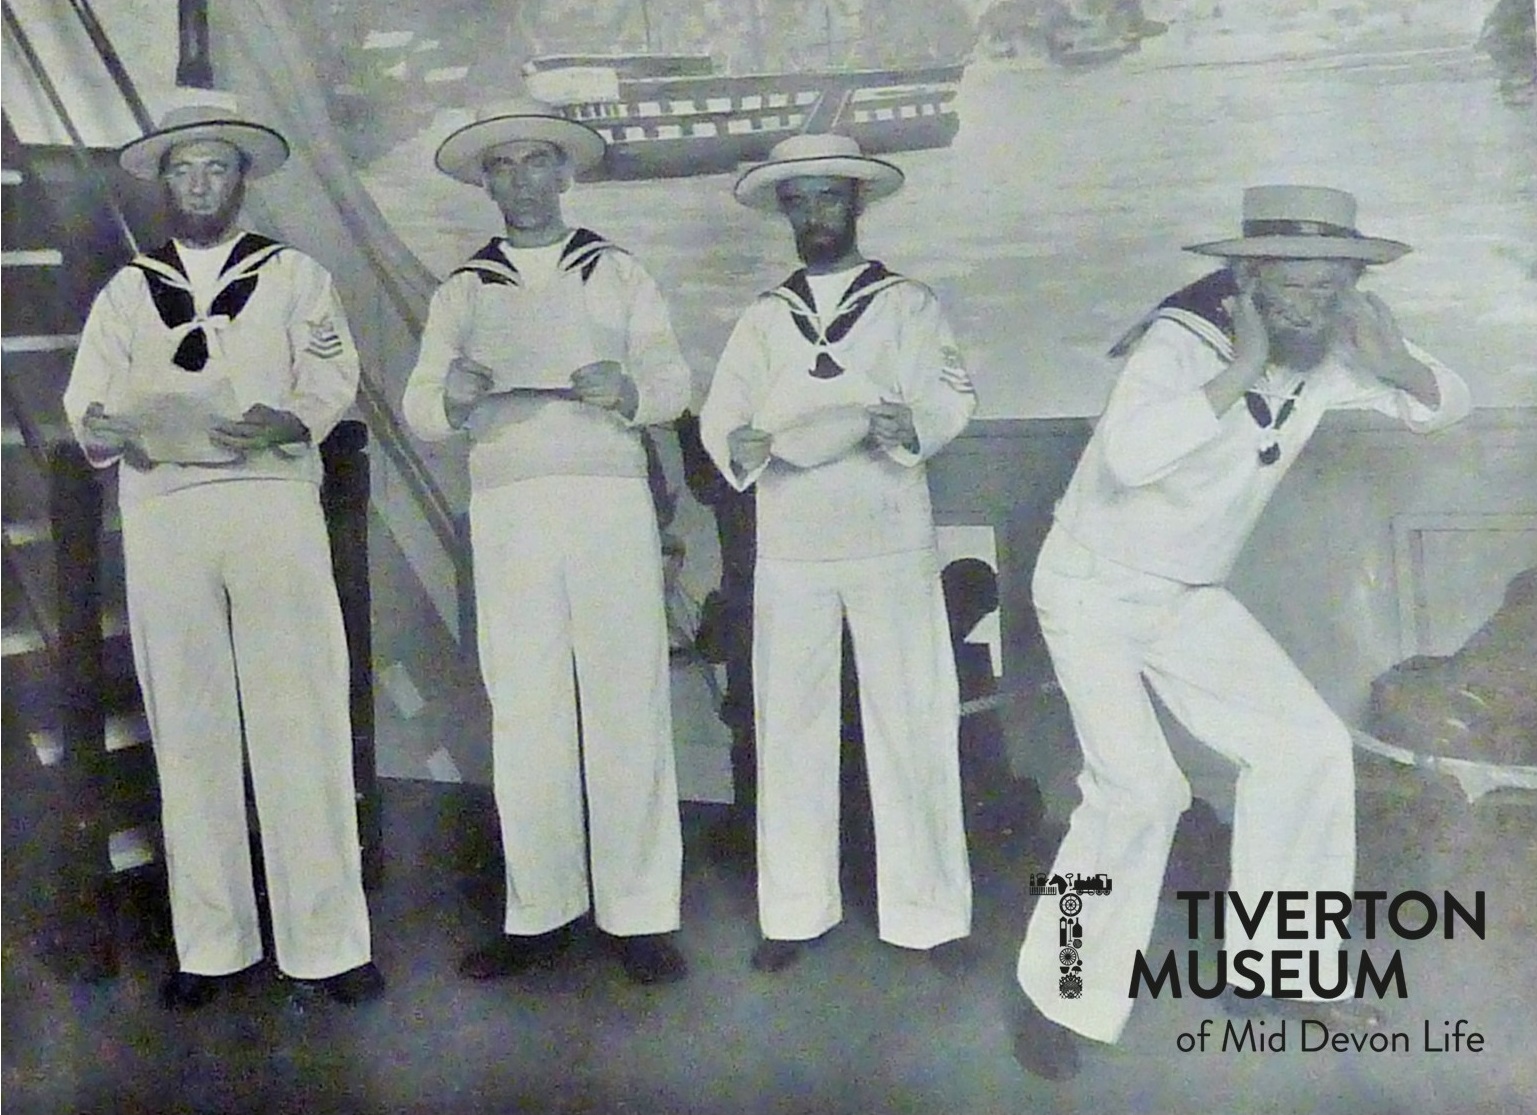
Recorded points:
1224,383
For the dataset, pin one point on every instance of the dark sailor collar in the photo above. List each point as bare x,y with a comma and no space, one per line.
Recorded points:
1198,308
171,292
580,254
796,293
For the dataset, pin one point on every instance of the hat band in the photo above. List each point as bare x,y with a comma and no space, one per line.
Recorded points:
1286,227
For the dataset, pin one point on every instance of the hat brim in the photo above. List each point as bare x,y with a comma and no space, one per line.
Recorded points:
459,155
264,148
756,187
1365,249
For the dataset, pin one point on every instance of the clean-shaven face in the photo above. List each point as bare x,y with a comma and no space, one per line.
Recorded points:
526,178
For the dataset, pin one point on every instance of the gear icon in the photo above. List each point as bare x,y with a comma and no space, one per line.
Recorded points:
1070,904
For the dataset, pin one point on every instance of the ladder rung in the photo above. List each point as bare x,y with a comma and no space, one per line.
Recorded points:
126,730
41,342
48,746
130,848
20,640
32,257
23,532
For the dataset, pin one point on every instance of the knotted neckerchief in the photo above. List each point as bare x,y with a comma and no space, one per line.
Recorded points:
580,254
171,293
795,292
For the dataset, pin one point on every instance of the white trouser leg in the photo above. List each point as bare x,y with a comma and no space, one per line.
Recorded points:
619,632
797,658
291,660
910,711
523,634
282,638
1225,678
186,669
567,578
1132,796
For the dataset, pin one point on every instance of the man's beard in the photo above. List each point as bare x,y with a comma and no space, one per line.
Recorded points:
1300,351
207,228
818,244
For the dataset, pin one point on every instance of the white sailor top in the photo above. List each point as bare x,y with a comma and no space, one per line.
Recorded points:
886,340
271,327
1169,487
516,437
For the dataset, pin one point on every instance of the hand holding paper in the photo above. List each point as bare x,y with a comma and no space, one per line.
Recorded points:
260,427
604,384
106,437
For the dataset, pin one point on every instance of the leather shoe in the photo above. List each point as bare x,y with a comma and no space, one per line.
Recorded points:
650,958
354,986
188,991
1041,1046
510,954
773,955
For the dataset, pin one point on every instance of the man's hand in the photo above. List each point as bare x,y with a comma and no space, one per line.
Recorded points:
604,384
891,426
106,436
467,382
1251,349
1251,339
260,427
1368,341
749,448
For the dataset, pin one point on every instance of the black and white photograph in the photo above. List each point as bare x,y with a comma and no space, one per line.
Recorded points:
769,557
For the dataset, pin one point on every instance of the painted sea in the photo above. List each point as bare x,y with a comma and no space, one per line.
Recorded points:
1058,214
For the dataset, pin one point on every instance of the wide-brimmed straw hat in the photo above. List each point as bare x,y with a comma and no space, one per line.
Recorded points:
522,118
823,155
207,114
1301,222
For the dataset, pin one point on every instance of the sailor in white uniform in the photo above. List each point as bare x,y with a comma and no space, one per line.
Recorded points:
212,368
832,392
1224,383
551,348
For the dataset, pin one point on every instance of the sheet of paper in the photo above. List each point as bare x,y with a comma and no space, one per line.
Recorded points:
174,427
819,436
536,343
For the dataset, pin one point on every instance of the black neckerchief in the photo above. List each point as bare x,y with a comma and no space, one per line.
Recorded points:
796,293
171,292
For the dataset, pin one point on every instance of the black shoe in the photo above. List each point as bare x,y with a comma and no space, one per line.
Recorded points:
773,955
1041,1046
650,958
188,991
354,986
510,954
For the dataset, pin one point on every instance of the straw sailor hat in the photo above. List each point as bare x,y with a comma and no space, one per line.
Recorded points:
522,118
825,155
1301,222
208,115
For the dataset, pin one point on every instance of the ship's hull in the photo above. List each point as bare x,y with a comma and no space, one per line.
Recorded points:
673,126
